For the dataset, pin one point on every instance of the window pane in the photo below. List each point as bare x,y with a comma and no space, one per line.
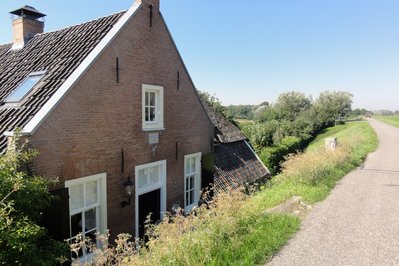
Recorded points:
187,184
147,114
152,113
90,220
76,196
142,178
187,198
191,196
192,165
152,98
191,182
154,175
187,167
91,193
147,98
24,88
76,224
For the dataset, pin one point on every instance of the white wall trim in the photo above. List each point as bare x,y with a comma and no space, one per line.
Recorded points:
49,106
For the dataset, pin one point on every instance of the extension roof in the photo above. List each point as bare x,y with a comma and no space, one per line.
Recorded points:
236,164
225,132
58,53
235,161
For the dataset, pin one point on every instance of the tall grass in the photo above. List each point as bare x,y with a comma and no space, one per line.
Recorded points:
234,229
315,172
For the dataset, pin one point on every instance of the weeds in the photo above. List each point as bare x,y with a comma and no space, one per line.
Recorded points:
232,228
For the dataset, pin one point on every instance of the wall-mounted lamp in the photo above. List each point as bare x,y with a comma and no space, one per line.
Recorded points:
128,185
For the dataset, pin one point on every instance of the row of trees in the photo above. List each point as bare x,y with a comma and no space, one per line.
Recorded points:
292,121
288,124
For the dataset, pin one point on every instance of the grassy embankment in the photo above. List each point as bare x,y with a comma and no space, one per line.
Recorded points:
235,229
391,120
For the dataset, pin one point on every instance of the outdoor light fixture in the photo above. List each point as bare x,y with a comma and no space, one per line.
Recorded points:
128,185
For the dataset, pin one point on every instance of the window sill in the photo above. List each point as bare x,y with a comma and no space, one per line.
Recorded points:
153,129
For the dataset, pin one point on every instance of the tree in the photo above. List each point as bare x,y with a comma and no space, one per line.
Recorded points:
332,105
22,200
289,104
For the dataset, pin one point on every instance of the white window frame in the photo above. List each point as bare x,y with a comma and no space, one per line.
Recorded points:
161,184
197,181
158,124
101,205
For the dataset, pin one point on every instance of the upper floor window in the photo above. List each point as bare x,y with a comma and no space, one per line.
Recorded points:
152,107
26,86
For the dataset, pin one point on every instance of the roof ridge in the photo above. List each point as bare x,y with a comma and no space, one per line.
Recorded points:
82,23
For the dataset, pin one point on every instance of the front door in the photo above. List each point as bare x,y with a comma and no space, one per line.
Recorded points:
150,193
149,203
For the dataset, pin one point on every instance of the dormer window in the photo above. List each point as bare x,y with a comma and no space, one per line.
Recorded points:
26,86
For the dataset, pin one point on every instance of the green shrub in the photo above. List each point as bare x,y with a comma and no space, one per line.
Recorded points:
274,156
22,199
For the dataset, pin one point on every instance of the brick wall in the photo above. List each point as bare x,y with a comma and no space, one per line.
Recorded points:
85,133
25,29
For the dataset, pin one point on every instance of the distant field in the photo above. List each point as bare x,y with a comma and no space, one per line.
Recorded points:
392,120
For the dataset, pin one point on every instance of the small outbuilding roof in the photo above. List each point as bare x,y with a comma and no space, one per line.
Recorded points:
225,132
235,161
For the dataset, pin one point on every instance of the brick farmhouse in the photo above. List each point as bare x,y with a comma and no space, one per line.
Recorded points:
113,113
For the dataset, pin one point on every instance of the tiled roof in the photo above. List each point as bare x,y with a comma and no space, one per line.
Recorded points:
235,165
225,132
59,53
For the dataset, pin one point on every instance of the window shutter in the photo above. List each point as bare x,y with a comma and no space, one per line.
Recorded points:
56,217
208,169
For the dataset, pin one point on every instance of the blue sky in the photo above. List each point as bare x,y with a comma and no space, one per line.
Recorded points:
247,52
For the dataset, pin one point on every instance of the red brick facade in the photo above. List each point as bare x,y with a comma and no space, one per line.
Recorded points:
85,133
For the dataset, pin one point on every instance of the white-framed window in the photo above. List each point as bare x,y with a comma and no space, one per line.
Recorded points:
152,107
87,209
26,86
192,180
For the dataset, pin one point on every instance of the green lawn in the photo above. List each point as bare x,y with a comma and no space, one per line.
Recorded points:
391,120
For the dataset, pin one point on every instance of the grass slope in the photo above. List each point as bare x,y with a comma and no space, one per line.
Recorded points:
391,120
234,228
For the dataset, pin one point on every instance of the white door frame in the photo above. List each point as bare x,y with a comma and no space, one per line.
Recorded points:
161,184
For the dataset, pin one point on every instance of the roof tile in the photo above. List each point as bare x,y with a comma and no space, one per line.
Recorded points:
59,53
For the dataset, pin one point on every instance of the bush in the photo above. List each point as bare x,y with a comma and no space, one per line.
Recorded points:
22,199
273,156
261,134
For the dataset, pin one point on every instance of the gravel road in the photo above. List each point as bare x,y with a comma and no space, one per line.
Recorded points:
358,223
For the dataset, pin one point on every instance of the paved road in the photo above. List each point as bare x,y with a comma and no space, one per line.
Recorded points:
358,223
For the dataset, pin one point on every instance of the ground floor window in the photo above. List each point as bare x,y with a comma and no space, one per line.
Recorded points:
192,180
87,209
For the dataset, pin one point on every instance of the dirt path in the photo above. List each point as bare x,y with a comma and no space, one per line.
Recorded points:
358,223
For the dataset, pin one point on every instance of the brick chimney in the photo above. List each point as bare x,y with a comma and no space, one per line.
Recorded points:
27,22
